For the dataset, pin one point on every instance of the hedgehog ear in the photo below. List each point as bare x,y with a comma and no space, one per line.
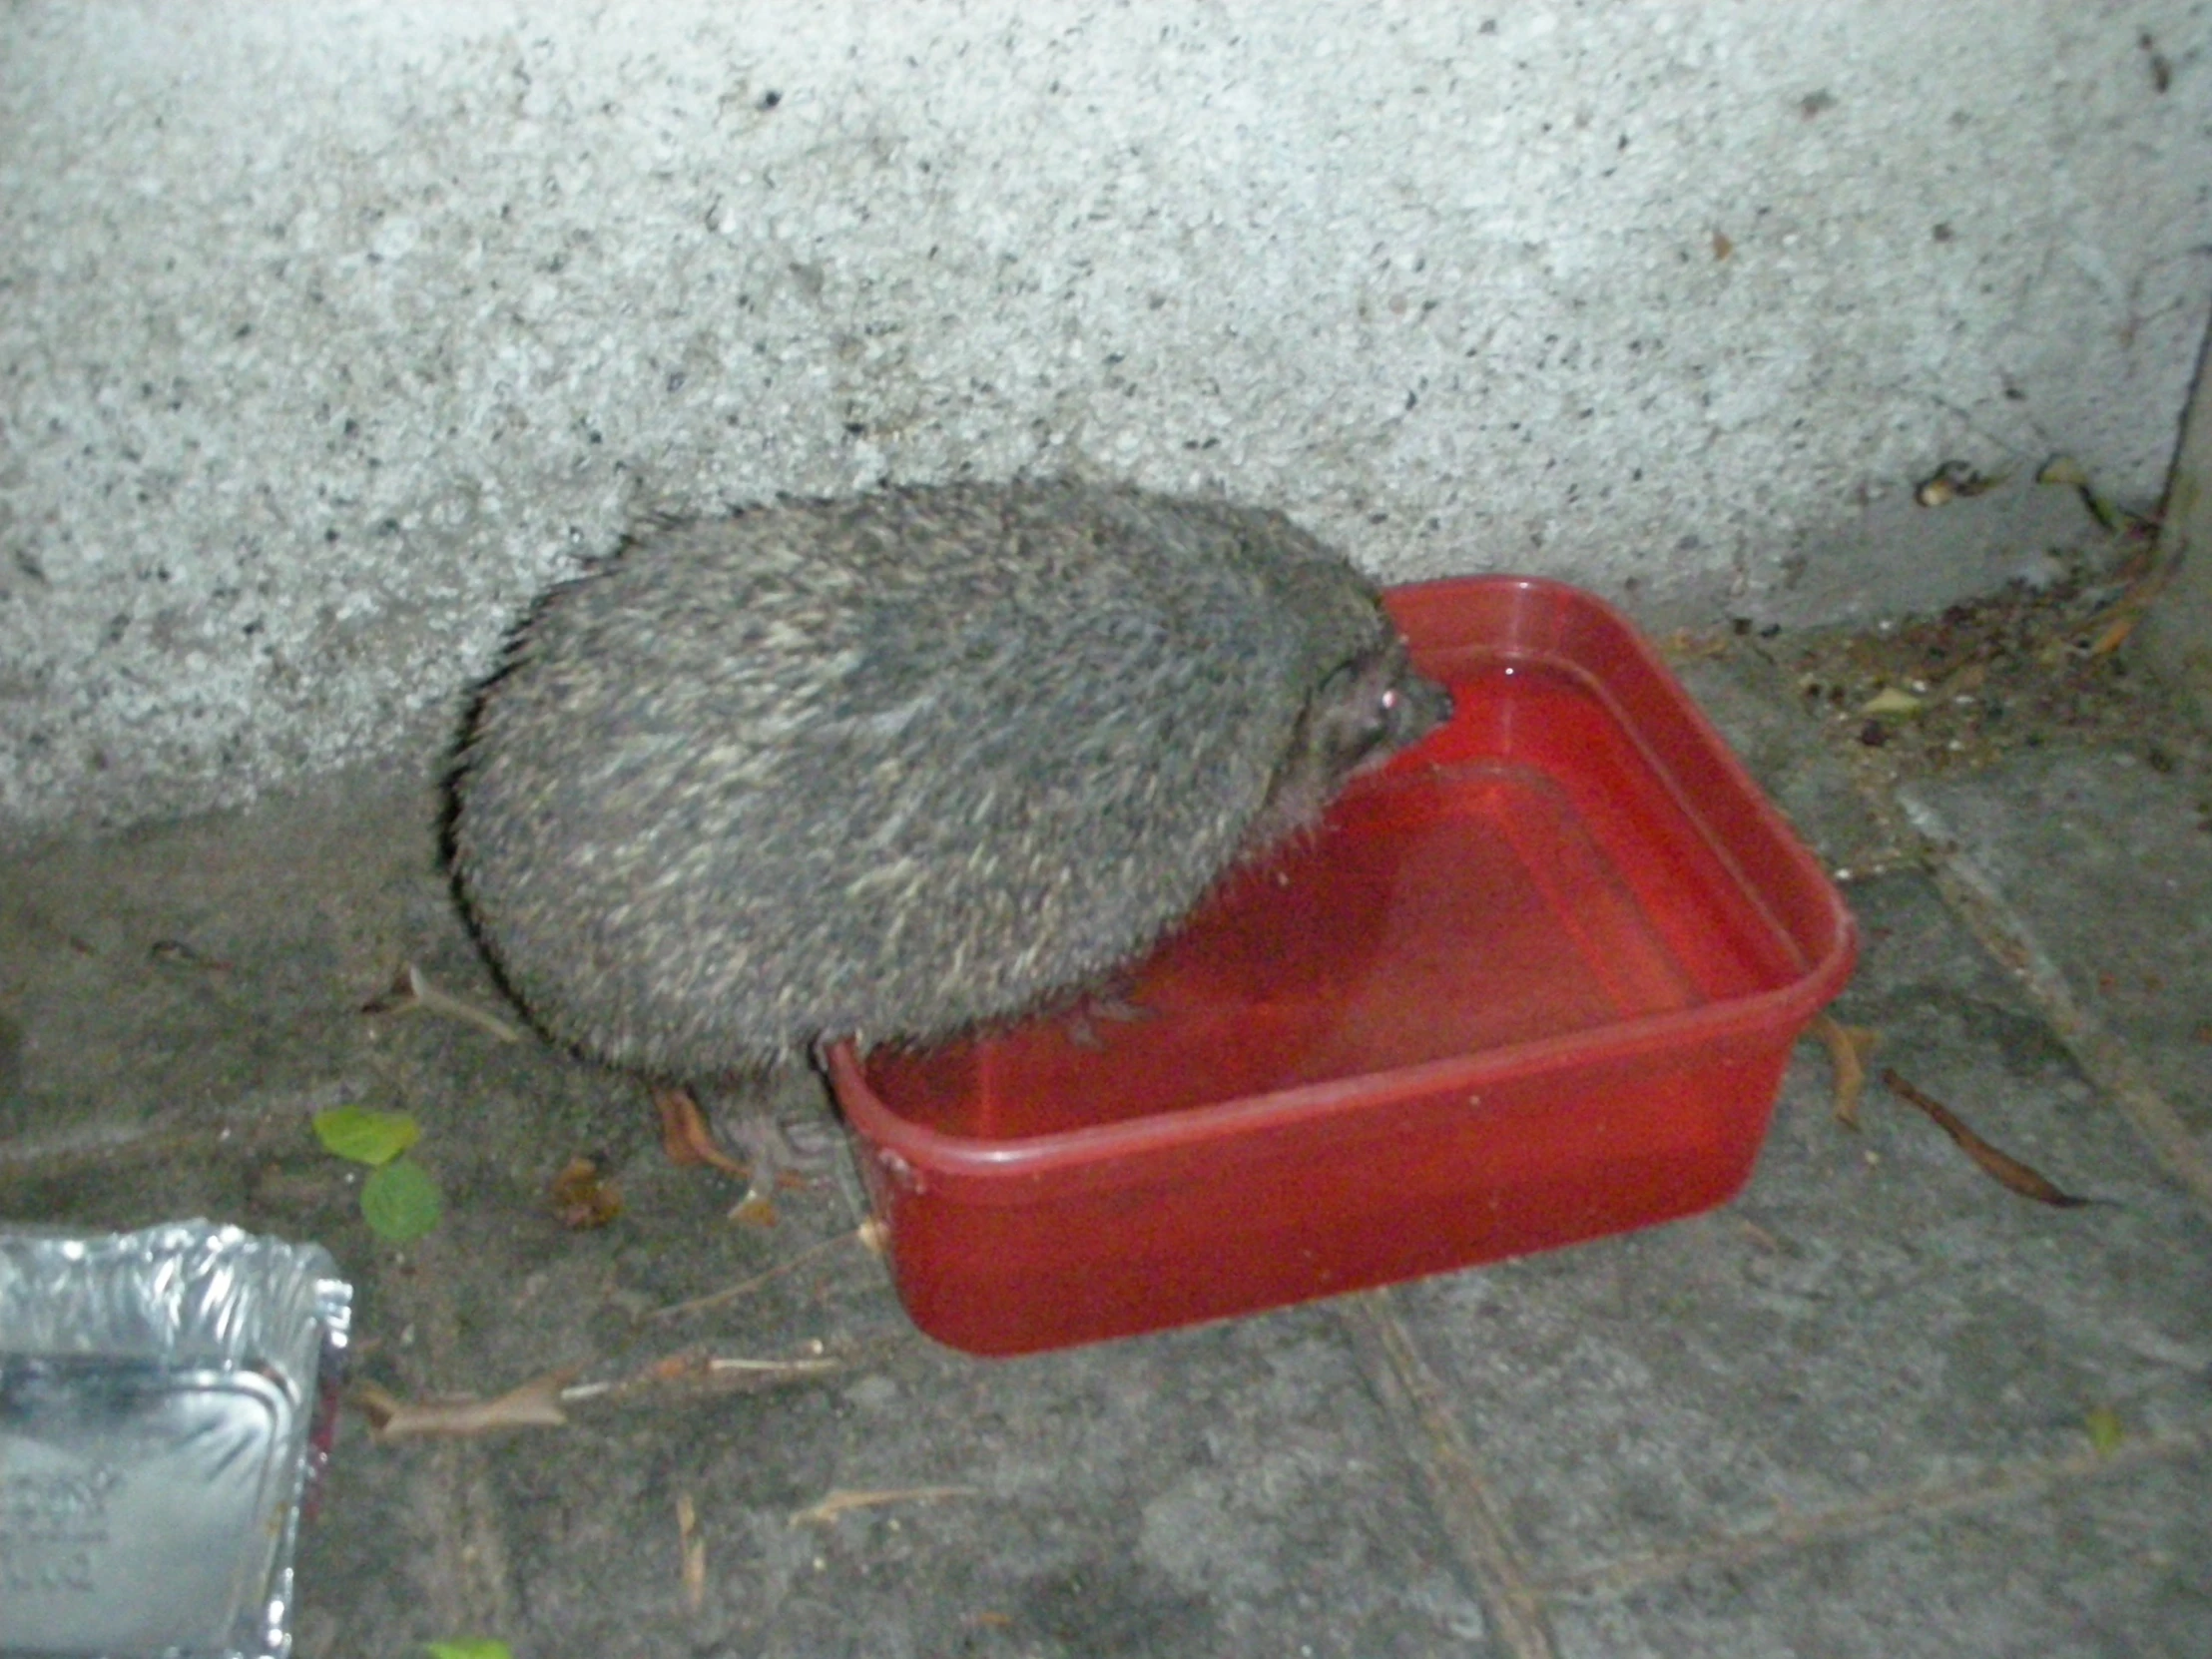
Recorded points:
1334,683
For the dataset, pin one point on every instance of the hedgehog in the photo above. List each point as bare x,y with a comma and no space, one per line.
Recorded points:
898,767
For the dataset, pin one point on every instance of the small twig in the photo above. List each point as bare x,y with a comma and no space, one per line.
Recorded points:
744,1287
693,1366
1887,861
694,1556
183,955
837,1503
538,1403
413,990
2001,1167
1758,1235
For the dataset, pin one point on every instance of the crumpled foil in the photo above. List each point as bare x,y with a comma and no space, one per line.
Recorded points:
164,1399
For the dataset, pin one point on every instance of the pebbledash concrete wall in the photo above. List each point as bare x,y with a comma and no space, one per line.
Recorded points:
330,332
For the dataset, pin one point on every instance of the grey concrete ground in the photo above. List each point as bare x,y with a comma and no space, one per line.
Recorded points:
1849,1415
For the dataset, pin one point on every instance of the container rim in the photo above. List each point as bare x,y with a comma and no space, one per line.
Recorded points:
1784,1010
1828,948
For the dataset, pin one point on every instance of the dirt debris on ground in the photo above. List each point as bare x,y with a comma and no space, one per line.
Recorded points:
2033,663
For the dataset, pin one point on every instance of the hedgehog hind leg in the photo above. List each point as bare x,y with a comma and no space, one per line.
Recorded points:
685,1136
707,1123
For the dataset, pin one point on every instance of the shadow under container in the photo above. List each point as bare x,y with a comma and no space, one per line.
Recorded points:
1532,983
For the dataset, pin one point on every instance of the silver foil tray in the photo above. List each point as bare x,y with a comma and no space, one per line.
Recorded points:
136,1506
155,1447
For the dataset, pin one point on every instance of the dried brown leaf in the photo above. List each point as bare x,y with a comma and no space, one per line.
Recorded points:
401,996
1847,1048
2001,1167
677,1368
582,1197
1954,482
2118,621
1691,644
686,1138
535,1405
2113,635
1893,700
756,1209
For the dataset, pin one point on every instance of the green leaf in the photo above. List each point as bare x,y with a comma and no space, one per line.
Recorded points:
363,1136
2106,1432
475,1647
400,1202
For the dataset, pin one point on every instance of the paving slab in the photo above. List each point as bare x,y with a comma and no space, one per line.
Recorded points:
1849,1413
1872,1329
2107,859
2105,1562
211,971
1236,1489
1232,1491
1749,696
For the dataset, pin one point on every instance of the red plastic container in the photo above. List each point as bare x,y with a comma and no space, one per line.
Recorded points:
1534,982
